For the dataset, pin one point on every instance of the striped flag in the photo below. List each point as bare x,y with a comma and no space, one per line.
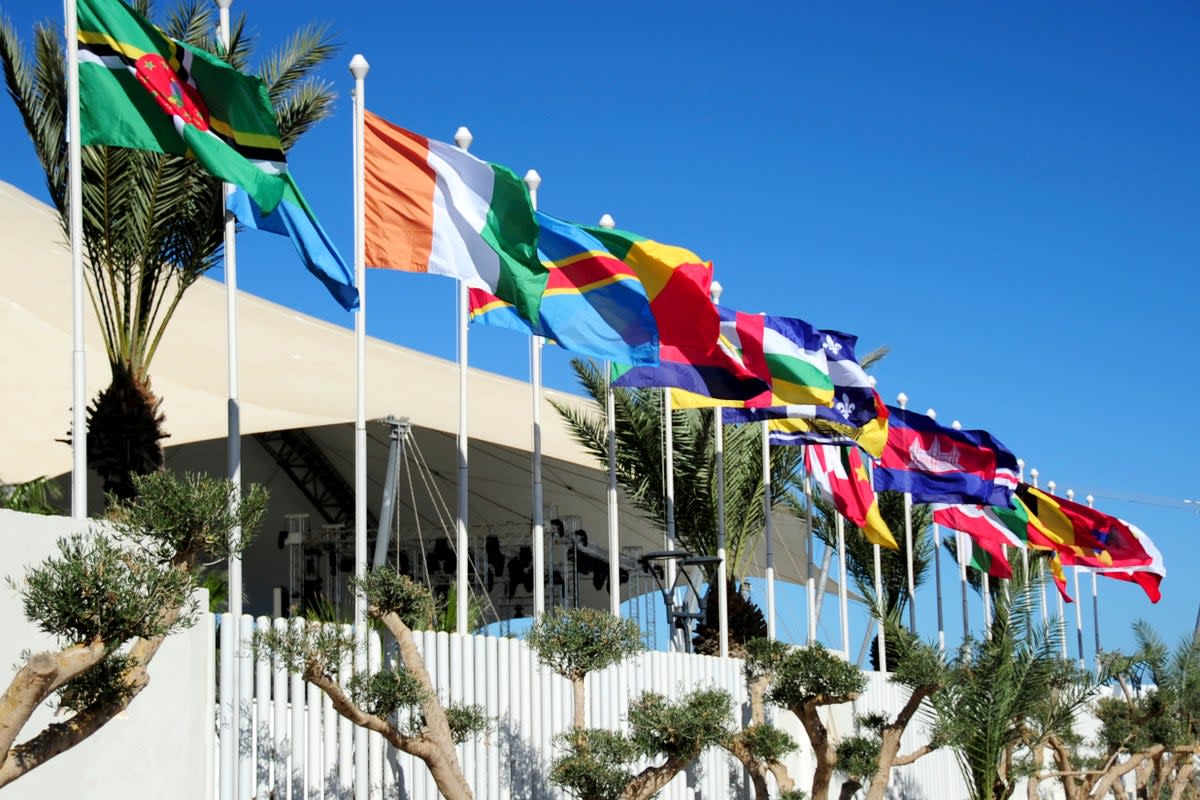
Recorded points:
797,425
432,207
840,474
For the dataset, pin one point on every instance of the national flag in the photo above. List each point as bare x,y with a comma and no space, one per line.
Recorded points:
785,352
1084,535
433,207
593,304
841,474
937,464
980,522
294,218
796,425
142,90
1149,576
987,556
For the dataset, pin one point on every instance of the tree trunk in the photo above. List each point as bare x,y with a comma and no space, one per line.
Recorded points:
1181,780
652,780
824,752
124,436
889,747
580,706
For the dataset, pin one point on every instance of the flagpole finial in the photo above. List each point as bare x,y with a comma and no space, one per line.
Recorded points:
929,412
1051,486
1033,473
956,425
463,138
1071,495
715,291
902,400
359,67
224,3
1090,499
606,221
873,380
533,180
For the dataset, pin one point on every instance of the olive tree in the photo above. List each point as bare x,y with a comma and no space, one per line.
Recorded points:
109,598
760,746
399,702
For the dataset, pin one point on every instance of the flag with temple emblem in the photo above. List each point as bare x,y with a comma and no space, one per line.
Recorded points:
785,352
141,89
936,464
841,474
593,303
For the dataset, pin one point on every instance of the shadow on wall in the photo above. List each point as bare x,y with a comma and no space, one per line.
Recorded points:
526,777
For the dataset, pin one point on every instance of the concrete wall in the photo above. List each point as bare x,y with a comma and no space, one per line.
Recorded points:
162,746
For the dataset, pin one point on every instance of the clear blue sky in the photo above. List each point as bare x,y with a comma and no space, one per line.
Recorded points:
1008,198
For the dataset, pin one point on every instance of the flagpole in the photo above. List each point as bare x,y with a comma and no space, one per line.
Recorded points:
462,138
843,588
1025,549
533,180
1078,604
985,582
610,436
75,224
719,465
1095,600
358,69
1062,610
902,401
809,583
669,499
768,532
960,547
1033,476
878,602
233,443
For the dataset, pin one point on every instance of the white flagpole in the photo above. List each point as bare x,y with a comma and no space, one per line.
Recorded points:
937,573
1095,600
233,449
810,588
358,69
960,545
878,603
986,585
902,401
462,138
1033,476
533,181
1062,610
75,224
1025,549
719,464
669,502
768,532
1078,604
610,422
843,588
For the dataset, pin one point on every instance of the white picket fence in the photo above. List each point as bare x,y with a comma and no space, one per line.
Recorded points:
293,746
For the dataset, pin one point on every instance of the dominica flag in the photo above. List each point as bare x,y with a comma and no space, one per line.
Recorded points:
141,89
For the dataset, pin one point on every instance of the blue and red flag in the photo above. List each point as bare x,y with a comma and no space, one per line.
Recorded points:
936,464
593,304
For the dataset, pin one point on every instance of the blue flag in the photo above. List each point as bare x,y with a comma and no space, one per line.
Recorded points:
294,218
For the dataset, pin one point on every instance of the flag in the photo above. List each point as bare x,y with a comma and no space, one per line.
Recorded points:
679,284
840,473
796,425
980,522
987,556
936,464
784,352
593,304
142,90
294,218
1083,535
1148,577
433,207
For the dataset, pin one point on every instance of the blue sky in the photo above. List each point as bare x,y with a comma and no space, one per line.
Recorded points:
1007,197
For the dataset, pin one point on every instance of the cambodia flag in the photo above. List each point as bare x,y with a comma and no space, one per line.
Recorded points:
936,464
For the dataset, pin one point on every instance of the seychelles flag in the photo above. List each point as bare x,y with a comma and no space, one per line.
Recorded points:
936,464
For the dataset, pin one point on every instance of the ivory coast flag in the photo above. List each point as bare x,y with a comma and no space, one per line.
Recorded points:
142,90
433,207
840,473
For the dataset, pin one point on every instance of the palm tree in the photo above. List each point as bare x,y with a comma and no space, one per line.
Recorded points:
152,224
639,417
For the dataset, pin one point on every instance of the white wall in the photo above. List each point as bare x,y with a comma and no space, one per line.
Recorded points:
162,746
